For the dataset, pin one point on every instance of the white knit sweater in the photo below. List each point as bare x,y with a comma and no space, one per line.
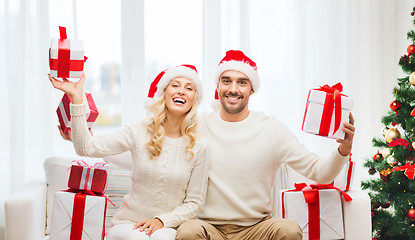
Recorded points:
170,188
245,158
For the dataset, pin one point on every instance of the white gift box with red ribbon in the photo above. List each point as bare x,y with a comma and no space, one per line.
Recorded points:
344,180
86,177
326,110
64,114
66,56
316,208
78,216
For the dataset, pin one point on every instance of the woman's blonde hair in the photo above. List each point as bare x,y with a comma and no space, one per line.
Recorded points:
157,130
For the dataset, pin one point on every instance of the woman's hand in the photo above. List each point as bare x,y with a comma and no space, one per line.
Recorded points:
73,89
149,225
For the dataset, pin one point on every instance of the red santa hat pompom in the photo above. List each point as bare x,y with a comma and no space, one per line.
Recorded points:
236,60
163,79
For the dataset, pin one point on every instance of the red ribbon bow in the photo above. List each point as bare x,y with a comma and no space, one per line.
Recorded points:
311,196
409,170
98,165
332,102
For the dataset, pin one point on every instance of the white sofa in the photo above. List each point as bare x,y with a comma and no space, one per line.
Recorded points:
28,210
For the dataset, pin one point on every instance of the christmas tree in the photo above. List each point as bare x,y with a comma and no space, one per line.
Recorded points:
392,189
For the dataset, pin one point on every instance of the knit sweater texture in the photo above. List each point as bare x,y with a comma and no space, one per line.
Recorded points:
171,187
245,158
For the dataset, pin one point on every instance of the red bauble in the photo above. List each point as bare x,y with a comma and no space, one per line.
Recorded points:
378,157
411,214
395,106
411,49
372,213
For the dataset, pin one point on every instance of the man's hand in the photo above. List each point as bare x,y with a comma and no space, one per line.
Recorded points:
149,225
345,146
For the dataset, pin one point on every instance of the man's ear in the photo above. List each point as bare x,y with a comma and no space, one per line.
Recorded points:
252,91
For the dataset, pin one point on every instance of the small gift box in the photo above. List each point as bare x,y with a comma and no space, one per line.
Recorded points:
343,181
64,114
78,216
326,109
66,56
316,208
85,177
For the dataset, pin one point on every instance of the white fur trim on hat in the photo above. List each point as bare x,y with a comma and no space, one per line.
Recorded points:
179,71
239,66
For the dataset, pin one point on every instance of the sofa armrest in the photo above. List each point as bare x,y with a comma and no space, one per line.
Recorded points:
357,217
25,212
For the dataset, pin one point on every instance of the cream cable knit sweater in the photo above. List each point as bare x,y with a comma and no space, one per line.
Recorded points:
245,158
170,188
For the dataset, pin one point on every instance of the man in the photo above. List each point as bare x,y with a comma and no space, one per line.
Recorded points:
246,149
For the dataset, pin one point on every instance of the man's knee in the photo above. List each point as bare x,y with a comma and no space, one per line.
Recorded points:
286,229
189,230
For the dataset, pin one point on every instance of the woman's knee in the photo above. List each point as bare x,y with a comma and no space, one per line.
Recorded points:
164,234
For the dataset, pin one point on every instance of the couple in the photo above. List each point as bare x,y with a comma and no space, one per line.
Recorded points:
238,149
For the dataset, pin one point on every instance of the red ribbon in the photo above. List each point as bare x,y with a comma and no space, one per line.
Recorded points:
311,196
409,170
349,172
332,102
78,216
64,64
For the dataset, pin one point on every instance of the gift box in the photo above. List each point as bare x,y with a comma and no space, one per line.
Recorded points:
78,216
343,181
64,114
326,110
317,209
85,177
66,56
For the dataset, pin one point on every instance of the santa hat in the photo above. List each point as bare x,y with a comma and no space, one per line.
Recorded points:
236,60
163,80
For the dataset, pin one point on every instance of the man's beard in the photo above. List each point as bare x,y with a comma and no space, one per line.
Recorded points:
238,109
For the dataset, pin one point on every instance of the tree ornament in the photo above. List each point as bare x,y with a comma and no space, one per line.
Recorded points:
372,170
372,213
412,13
391,134
385,175
384,130
411,214
378,157
395,106
404,59
391,160
412,78
385,205
410,49
386,152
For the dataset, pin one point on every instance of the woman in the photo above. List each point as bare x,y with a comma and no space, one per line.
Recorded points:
169,163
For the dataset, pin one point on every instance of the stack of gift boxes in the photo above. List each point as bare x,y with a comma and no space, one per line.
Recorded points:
317,208
79,212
